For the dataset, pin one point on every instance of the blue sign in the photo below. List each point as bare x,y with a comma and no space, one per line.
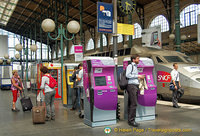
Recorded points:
105,17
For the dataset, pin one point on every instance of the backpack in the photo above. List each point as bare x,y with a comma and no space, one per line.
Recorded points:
123,80
52,81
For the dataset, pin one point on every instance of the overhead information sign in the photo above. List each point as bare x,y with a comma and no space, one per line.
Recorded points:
125,29
105,17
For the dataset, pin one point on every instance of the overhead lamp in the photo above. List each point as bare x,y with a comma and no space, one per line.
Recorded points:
183,37
48,25
1,61
18,47
17,56
172,36
33,48
6,56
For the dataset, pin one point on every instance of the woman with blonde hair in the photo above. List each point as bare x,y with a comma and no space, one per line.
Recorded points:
15,87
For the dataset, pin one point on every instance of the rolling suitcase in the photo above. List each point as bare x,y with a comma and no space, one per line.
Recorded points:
25,102
38,113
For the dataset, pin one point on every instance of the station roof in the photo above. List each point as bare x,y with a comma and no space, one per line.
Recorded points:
30,12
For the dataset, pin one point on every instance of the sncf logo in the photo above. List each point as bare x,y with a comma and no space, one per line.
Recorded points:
105,12
163,76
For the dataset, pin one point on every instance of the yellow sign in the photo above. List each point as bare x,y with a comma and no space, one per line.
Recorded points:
125,29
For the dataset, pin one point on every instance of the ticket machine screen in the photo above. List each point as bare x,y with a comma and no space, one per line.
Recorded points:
100,81
70,79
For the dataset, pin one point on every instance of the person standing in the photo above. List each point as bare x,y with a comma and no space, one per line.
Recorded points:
15,87
178,91
49,94
75,89
80,90
132,88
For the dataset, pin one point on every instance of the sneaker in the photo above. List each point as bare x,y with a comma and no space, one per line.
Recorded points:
17,110
13,110
81,115
134,124
53,118
72,109
177,106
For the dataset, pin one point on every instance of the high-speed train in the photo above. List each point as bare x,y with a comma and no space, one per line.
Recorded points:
163,61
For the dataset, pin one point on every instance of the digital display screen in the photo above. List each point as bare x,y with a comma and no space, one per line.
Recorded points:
70,79
100,81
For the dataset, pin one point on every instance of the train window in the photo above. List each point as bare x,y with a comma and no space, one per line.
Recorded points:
173,59
128,51
198,79
159,60
188,59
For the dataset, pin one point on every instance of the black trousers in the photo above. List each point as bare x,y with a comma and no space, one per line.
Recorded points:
177,94
74,98
132,101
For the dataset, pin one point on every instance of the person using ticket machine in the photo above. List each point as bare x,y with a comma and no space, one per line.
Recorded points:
132,88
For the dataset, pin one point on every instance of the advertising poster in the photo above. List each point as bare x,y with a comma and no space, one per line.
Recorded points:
105,17
152,37
78,50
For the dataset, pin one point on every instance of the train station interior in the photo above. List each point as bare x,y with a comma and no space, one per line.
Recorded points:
99,67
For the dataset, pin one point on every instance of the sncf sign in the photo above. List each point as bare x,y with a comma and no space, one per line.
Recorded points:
163,76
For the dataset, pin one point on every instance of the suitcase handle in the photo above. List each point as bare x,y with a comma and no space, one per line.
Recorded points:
36,96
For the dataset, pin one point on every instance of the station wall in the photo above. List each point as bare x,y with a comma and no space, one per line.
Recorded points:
150,11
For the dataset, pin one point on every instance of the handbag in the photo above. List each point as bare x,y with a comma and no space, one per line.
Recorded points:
171,85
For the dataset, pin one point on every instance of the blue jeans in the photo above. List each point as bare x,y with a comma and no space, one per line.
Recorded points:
80,100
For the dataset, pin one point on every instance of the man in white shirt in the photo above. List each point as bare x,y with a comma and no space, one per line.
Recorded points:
178,91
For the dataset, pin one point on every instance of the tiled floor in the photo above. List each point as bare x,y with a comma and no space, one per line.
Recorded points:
67,122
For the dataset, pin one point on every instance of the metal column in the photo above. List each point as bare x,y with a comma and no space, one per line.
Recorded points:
26,59
35,32
115,29
21,56
31,43
56,22
130,41
66,22
81,23
41,35
101,42
177,26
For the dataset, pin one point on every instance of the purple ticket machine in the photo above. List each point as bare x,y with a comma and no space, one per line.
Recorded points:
100,102
146,100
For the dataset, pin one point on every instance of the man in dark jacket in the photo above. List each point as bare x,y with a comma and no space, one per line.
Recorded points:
75,88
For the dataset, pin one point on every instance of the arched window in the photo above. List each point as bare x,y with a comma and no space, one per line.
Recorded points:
137,31
72,50
104,41
188,15
90,44
59,53
119,39
162,21
54,54
64,52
